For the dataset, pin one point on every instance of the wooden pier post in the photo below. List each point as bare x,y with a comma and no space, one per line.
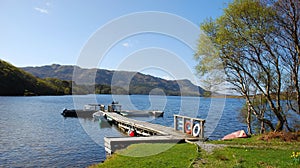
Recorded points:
175,122
202,129
183,124
192,126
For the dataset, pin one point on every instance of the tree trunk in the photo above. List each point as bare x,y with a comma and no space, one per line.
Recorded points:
279,125
262,125
296,84
249,129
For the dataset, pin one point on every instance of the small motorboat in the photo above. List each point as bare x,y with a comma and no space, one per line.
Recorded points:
87,111
98,115
140,113
117,108
102,119
237,134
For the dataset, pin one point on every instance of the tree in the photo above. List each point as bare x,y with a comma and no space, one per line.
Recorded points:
288,22
246,40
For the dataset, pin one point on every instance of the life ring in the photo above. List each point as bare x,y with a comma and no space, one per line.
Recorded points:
131,133
187,127
196,130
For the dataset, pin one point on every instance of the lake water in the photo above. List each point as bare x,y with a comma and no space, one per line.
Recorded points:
34,134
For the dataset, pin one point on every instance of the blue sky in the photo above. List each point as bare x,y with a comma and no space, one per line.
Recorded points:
43,32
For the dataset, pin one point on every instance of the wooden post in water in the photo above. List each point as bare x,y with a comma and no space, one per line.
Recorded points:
192,125
202,129
175,122
183,124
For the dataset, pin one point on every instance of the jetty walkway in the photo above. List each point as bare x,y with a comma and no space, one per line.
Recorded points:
151,133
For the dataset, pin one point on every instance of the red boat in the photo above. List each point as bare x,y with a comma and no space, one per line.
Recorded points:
237,134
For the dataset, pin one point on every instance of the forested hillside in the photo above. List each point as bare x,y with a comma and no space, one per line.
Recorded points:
16,82
118,82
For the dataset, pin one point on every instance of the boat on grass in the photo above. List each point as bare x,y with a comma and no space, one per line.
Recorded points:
237,134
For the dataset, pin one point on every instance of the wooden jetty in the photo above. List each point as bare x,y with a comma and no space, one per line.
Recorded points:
152,133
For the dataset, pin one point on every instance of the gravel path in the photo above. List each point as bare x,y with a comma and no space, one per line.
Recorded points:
207,146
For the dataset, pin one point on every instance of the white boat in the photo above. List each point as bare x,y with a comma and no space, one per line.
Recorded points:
98,115
140,113
116,107
87,111
237,134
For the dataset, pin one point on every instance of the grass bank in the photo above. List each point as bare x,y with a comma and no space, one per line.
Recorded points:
179,155
250,152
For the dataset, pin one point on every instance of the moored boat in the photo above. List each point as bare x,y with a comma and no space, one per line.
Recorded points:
98,115
87,111
116,107
140,113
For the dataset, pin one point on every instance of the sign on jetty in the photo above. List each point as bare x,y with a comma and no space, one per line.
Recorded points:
185,128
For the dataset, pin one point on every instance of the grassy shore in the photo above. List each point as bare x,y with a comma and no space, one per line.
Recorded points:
238,153
251,152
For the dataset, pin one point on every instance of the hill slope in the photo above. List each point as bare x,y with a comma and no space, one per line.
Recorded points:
131,82
17,82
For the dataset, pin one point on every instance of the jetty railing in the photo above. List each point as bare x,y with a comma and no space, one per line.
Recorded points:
188,124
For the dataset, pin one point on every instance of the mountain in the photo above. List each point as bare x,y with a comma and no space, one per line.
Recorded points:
17,82
121,82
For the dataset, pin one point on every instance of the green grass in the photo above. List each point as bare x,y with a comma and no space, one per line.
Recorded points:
239,157
179,155
250,152
239,153
143,150
255,142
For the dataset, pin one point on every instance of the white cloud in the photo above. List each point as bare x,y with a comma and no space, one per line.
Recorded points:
41,10
167,77
126,44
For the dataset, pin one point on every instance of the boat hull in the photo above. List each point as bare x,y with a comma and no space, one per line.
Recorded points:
142,113
98,115
237,134
78,113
